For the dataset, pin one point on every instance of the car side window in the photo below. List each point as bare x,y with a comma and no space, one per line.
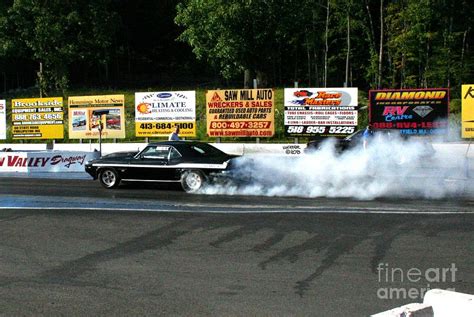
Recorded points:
173,154
199,151
156,152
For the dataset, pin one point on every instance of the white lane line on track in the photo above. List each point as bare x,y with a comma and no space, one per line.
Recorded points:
39,201
361,211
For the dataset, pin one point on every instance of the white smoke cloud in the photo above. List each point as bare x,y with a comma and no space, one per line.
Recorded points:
389,167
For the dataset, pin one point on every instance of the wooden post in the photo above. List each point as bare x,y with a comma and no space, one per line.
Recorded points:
40,78
255,86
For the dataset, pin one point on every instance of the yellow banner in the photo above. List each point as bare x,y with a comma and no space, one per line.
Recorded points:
467,115
157,113
240,113
38,118
88,113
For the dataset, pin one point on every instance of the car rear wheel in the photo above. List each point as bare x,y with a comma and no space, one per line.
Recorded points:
192,181
109,178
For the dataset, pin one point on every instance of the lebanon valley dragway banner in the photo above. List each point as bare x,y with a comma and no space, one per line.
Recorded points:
157,113
240,113
38,118
467,115
45,161
320,111
412,111
87,112
3,120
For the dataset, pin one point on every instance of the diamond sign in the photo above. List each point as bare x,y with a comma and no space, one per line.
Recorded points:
422,111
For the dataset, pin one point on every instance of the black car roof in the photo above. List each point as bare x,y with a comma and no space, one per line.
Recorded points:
176,143
185,146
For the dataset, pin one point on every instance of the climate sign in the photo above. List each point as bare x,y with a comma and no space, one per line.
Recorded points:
240,113
412,111
157,113
320,111
38,118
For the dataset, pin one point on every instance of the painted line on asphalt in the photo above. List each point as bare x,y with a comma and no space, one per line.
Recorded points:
320,211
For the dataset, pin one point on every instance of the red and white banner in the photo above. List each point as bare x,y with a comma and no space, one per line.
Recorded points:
45,161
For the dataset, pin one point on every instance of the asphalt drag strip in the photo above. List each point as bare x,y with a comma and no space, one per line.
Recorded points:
70,247
101,262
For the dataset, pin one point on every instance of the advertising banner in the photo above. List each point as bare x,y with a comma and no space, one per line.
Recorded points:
240,113
45,161
38,118
86,113
412,111
467,114
320,111
3,120
157,113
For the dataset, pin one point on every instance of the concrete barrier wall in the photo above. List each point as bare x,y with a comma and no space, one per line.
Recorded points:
231,148
29,157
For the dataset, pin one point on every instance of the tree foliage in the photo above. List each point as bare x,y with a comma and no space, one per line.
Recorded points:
56,34
366,44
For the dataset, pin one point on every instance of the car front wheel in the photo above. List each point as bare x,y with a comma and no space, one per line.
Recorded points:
109,178
192,181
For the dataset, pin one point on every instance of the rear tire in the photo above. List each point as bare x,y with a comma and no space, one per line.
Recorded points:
109,178
192,181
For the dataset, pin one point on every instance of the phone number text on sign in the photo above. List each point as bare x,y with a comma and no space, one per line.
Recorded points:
166,126
313,129
240,124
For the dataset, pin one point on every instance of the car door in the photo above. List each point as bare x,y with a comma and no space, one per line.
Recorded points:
151,164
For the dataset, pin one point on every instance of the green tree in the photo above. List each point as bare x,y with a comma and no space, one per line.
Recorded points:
235,35
56,34
428,43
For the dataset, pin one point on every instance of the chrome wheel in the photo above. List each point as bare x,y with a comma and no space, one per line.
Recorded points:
192,181
109,178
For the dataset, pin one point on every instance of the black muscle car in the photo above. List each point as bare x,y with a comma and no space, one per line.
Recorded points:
188,162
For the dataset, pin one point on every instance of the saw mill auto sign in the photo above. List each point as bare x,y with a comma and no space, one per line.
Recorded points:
240,113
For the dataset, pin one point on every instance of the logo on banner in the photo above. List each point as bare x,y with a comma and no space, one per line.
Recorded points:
321,98
164,95
302,93
144,108
422,111
216,97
